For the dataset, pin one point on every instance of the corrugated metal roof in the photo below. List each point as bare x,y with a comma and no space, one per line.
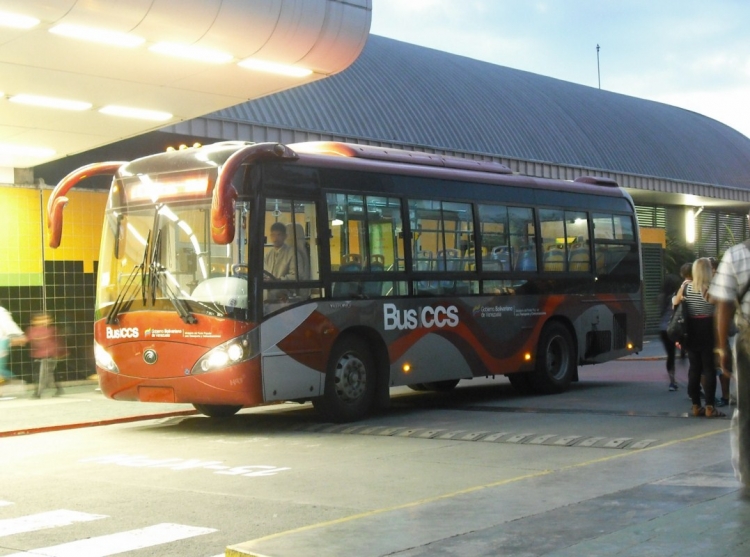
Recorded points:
398,92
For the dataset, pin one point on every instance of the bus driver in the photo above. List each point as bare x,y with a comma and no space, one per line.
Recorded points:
279,260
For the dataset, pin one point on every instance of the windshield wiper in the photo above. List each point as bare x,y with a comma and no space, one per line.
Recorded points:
158,281
179,304
120,300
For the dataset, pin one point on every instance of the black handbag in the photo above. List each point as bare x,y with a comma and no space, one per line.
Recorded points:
677,329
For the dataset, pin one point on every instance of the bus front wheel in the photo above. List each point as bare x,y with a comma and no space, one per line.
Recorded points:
349,384
555,360
217,410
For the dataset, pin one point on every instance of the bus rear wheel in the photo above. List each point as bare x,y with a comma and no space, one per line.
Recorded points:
217,410
349,384
555,360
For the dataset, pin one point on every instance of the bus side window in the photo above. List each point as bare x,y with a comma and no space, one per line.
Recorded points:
617,262
579,258
526,258
554,259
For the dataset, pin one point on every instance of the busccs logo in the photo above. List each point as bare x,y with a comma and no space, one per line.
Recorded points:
125,332
426,317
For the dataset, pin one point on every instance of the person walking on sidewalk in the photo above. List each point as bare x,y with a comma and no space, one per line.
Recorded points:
700,338
723,378
668,290
10,335
46,349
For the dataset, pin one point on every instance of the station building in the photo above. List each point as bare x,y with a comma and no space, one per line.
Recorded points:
688,175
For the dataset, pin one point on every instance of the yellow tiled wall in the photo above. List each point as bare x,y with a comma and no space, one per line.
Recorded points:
62,281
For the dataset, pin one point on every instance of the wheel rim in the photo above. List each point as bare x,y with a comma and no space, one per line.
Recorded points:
558,357
350,378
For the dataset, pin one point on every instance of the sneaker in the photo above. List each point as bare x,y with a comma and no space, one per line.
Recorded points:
722,402
712,412
673,387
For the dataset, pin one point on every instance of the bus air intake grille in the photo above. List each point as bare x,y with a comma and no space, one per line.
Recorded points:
598,342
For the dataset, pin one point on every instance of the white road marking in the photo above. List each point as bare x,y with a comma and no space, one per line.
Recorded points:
179,464
113,544
5,503
41,521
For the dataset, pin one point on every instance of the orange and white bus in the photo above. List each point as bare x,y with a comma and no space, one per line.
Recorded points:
394,268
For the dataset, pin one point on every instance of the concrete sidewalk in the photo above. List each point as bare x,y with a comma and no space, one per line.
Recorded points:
80,405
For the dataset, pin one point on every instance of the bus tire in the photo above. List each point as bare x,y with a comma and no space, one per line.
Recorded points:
441,386
349,384
217,410
418,387
555,360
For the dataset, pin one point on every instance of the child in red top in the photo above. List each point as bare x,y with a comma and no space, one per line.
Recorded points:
46,348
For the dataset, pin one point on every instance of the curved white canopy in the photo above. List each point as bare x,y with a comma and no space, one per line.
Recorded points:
58,57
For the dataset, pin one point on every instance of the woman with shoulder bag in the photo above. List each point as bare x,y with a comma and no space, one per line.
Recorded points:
670,286
701,334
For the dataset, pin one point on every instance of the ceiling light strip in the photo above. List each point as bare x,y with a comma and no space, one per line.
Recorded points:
137,113
25,150
17,21
50,102
273,67
97,35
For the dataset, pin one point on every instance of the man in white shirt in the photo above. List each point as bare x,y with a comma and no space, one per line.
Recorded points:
729,289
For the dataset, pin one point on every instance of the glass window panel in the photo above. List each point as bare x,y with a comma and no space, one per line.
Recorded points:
522,238
290,252
552,224
603,226
577,231
384,227
494,247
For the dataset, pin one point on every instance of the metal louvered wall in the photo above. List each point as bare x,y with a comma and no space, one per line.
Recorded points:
717,231
651,217
653,276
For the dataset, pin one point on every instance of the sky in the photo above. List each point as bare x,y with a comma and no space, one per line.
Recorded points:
694,54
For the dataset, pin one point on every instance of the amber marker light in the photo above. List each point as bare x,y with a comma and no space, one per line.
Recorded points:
630,346
406,368
527,357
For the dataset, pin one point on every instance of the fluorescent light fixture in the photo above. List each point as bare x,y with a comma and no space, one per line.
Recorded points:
690,227
192,52
17,21
273,67
49,102
137,113
25,151
96,35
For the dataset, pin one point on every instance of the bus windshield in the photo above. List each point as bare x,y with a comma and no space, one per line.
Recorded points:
161,256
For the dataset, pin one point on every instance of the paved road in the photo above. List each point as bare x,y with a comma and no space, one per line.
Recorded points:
613,467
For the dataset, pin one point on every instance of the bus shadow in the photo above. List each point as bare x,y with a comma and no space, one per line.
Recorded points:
291,418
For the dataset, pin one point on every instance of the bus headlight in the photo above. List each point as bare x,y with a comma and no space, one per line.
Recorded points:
228,354
104,360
